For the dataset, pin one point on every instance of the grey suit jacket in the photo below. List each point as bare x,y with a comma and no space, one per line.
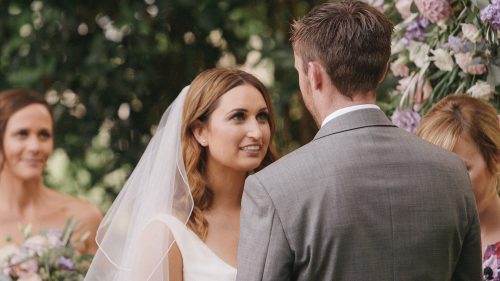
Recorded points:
363,201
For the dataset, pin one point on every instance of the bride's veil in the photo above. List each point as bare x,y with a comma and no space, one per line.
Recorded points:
133,242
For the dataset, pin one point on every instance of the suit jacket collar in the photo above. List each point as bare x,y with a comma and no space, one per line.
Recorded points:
354,120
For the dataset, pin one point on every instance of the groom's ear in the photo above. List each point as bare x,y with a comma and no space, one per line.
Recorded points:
315,73
198,130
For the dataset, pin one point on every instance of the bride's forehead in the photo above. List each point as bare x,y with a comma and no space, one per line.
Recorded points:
242,96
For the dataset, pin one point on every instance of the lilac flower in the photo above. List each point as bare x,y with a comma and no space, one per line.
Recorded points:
66,264
405,41
491,14
456,45
54,238
407,119
415,30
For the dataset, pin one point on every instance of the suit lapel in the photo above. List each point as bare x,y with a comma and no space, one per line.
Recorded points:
355,120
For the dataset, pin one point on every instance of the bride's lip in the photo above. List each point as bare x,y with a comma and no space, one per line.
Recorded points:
252,148
33,161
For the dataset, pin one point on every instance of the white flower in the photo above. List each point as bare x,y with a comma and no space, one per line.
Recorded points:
481,90
419,53
404,83
403,7
442,59
377,4
471,32
8,251
397,46
32,277
37,243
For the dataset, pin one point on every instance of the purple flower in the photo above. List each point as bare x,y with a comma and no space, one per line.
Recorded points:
491,14
406,119
456,45
66,264
415,30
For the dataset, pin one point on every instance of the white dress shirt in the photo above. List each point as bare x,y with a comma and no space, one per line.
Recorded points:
345,110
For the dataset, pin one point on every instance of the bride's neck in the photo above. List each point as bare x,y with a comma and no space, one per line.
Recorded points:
226,186
18,196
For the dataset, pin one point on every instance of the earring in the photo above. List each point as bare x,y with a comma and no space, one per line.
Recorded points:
203,142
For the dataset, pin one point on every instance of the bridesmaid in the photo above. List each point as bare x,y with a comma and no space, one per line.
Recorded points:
26,142
469,127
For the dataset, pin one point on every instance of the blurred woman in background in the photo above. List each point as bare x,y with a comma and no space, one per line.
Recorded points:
470,128
26,142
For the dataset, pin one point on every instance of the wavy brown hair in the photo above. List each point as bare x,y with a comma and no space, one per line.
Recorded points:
201,100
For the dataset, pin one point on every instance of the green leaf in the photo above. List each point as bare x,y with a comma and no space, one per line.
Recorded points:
493,75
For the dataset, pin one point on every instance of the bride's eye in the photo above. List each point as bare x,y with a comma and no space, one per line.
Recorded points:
263,116
238,116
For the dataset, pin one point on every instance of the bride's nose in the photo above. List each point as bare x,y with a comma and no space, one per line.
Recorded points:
254,130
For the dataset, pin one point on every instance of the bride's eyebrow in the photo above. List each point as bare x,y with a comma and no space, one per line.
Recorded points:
237,110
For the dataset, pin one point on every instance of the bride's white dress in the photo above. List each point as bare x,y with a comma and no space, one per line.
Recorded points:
200,262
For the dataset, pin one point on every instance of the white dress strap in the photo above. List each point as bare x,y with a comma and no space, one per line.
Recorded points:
200,262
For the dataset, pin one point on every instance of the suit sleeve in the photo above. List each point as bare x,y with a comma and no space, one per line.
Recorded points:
469,266
264,253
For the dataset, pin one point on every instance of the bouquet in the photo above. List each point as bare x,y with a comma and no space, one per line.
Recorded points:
48,256
442,47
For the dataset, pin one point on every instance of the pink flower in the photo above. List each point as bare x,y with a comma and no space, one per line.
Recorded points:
471,32
463,60
434,10
404,84
27,266
422,93
400,70
476,69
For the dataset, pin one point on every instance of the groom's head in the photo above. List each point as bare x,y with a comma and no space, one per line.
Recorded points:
350,39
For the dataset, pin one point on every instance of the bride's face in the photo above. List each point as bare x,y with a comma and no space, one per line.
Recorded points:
27,142
237,133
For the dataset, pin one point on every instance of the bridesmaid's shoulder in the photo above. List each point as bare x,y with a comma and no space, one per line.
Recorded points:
83,211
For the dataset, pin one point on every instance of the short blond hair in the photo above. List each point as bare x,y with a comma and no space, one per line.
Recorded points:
460,115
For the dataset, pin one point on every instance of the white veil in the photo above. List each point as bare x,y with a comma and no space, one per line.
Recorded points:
133,243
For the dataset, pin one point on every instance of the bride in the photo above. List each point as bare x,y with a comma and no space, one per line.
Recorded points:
177,218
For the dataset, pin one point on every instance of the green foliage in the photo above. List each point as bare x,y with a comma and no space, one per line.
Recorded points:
110,69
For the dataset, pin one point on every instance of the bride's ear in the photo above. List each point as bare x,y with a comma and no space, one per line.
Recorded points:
199,132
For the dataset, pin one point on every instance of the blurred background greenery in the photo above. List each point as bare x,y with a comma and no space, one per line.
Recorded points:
110,69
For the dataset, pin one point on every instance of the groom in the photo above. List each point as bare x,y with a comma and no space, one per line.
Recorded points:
364,200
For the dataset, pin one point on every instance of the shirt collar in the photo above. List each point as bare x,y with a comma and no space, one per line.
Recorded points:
345,110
